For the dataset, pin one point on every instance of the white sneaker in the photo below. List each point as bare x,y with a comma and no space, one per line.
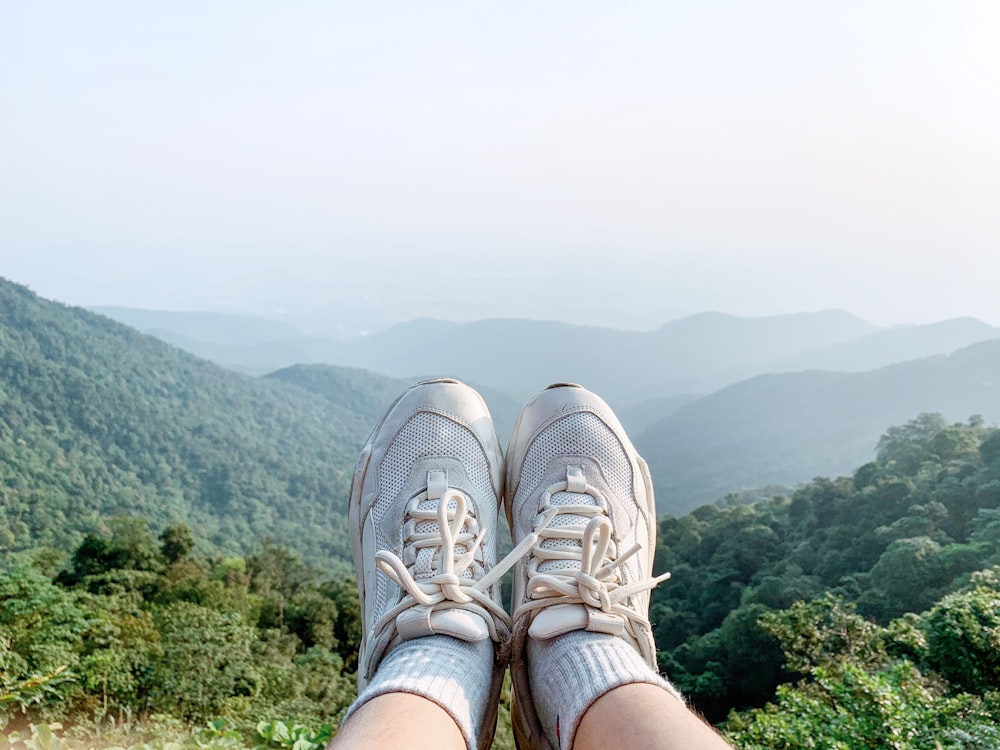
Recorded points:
577,491
423,516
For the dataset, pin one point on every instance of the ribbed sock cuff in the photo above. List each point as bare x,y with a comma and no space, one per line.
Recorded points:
454,674
568,673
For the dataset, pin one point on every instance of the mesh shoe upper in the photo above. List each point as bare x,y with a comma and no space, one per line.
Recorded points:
575,487
424,506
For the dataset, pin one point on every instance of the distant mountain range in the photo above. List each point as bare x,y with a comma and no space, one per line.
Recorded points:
97,419
886,347
783,429
369,394
719,403
695,355
519,356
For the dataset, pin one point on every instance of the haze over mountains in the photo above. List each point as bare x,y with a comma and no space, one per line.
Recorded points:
717,403
98,420
110,421
785,428
696,354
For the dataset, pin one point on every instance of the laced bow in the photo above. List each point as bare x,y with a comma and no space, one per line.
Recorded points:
595,578
444,586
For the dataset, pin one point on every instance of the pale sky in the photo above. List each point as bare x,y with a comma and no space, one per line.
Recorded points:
604,162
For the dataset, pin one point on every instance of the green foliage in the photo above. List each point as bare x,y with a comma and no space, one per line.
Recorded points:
40,627
216,735
98,421
859,692
823,633
187,637
853,707
989,450
963,635
203,663
905,447
18,695
176,542
900,534
293,736
39,737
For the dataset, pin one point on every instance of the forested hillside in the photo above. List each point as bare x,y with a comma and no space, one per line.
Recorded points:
141,636
370,394
784,429
97,420
860,612
141,490
903,532
699,353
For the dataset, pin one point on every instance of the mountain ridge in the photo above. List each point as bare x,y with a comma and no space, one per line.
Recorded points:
520,356
830,422
234,442
97,419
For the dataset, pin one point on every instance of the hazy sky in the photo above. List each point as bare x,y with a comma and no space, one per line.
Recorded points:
619,162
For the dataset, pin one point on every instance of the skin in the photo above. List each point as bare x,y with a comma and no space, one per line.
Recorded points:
630,716
644,716
368,729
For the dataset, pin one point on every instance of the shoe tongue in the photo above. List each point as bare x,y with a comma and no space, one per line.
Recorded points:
428,559
461,624
562,520
426,566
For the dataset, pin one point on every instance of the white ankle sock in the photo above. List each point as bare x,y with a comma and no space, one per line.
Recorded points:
569,672
454,674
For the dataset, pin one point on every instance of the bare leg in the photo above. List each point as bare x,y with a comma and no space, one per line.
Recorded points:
646,716
389,721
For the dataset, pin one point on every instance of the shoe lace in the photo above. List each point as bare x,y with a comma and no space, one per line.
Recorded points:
455,577
589,567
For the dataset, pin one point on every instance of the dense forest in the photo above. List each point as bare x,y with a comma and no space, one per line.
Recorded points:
173,564
715,403
137,636
902,532
860,612
97,420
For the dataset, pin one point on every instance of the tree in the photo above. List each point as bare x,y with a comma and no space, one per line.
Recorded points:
989,449
908,577
41,627
963,635
204,662
129,547
893,708
906,447
824,632
175,543
855,694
